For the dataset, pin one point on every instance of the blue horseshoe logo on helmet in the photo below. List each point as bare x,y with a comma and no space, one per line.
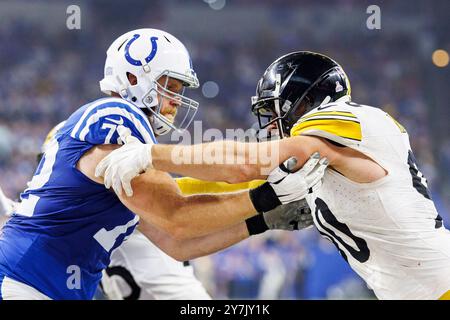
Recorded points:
147,59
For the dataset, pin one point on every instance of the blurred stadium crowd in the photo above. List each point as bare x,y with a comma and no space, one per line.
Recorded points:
48,71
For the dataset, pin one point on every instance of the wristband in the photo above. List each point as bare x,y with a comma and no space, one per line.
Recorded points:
264,198
256,225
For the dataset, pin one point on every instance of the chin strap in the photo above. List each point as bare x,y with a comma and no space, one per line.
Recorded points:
159,127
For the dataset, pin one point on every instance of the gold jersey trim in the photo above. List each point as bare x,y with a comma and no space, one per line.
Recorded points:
445,296
329,113
402,128
344,128
191,186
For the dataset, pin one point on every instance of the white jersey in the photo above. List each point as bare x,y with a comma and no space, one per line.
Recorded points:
139,270
11,289
388,231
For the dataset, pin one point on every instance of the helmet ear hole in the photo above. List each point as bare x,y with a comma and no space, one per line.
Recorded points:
132,79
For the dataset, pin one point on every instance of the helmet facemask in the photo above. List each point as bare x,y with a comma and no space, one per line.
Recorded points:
149,55
185,110
268,108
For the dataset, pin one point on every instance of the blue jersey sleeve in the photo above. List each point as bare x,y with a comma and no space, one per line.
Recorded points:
99,122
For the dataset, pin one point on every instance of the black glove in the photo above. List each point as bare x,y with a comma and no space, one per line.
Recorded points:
291,216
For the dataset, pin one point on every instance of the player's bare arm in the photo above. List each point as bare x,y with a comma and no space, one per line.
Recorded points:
292,216
351,163
248,165
183,250
186,217
182,217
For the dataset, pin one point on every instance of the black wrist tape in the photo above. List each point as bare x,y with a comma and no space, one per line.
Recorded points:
256,225
264,198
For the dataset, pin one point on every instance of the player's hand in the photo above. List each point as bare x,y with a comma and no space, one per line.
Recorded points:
291,186
295,215
291,216
284,186
125,163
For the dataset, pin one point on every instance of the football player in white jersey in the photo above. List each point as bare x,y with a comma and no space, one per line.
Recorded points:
374,204
139,270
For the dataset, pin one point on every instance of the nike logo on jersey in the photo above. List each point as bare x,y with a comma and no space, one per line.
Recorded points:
325,106
118,122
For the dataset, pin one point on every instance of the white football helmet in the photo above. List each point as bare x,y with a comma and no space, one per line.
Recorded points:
150,54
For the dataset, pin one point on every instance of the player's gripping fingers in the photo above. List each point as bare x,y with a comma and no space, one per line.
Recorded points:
100,169
107,180
310,164
103,168
124,133
104,165
305,218
126,183
126,136
278,174
117,184
323,164
289,164
131,140
306,222
317,174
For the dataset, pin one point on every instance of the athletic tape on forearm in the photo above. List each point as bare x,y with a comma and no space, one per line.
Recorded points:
264,198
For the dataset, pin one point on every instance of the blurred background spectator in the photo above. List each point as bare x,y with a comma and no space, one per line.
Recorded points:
48,71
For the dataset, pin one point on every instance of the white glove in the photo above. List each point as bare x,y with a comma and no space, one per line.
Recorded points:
295,186
283,186
125,163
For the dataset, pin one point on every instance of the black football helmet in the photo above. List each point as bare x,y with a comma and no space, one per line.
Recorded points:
293,85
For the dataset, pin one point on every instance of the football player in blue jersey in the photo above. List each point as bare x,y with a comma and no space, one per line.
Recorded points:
138,269
60,237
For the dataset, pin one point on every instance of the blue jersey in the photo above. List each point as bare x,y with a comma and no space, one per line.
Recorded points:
62,234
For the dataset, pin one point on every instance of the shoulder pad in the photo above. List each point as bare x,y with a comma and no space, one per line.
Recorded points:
333,121
98,123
